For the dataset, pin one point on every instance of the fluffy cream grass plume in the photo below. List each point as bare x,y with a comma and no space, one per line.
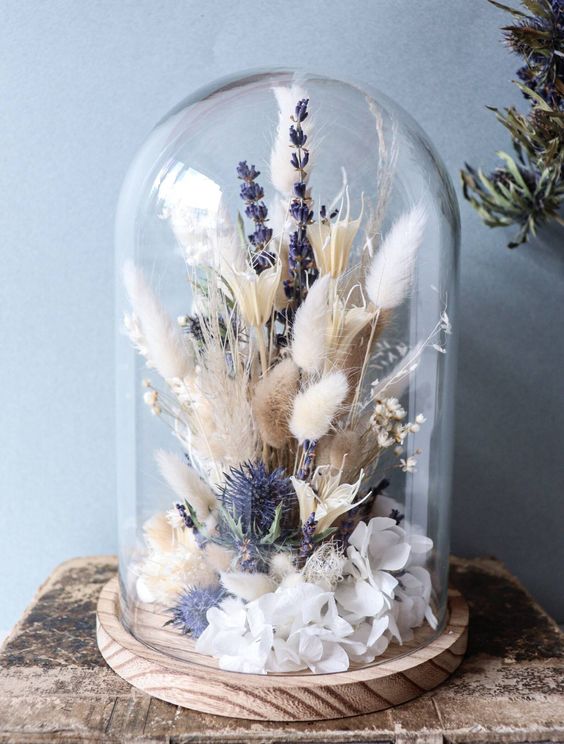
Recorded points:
186,483
309,338
165,346
247,586
391,272
282,174
218,557
223,430
316,407
272,402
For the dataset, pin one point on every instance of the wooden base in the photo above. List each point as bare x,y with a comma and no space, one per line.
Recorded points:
280,697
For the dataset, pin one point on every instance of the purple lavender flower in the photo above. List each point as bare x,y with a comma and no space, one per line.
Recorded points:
309,458
308,531
301,113
297,136
186,518
301,261
256,210
190,612
246,173
396,515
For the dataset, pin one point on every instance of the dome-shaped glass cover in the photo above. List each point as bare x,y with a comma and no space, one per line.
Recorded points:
286,248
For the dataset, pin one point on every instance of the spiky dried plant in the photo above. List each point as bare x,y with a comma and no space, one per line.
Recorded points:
528,190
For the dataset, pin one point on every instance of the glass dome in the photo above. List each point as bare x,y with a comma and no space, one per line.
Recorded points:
286,281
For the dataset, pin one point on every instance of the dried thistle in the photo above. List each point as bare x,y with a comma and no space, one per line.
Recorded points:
528,189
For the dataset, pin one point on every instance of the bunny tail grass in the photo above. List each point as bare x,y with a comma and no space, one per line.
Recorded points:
166,349
316,407
390,274
309,342
186,483
272,402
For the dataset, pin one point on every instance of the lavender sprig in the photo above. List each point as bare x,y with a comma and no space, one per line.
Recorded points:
257,211
308,531
309,458
301,261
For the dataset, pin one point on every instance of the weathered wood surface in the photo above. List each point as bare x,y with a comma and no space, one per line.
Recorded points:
55,686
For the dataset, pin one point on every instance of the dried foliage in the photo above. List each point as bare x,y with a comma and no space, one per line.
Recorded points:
527,189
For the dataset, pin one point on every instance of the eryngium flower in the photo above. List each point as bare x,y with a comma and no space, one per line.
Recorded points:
252,494
190,613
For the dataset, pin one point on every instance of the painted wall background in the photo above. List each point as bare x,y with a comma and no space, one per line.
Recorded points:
81,85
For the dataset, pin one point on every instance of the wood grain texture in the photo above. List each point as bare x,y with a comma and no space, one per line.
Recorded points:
191,683
55,686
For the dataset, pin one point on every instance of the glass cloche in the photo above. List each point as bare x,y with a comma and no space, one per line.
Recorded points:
286,272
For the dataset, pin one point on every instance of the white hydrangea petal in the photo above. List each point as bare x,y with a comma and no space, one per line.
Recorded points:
334,659
357,565
431,618
396,557
360,536
381,541
393,629
378,524
420,543
359,598
309,644
385,582
379,627
283,658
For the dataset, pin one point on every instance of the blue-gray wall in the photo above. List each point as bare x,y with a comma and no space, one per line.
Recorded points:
81,84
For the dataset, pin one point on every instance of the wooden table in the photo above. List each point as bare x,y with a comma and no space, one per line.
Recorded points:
55,686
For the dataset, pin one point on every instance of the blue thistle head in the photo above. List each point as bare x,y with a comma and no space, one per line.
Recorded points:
252,494
190,612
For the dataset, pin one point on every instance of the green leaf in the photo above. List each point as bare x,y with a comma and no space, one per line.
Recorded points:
274,530
241,231
236,528
535,7
319,536
191,511
514,170
514,12
497,198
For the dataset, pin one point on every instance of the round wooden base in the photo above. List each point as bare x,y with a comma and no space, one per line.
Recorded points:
280,697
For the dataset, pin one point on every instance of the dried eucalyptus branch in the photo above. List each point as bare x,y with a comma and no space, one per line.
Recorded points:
528,189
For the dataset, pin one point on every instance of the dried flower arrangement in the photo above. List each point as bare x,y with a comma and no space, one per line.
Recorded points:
277,556
528,190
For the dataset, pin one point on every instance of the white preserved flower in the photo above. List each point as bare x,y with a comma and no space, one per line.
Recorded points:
254,292
293,628
332,241
325,496
408,465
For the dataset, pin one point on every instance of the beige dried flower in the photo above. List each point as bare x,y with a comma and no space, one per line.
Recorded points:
254,293
342,450
332,241
272,402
